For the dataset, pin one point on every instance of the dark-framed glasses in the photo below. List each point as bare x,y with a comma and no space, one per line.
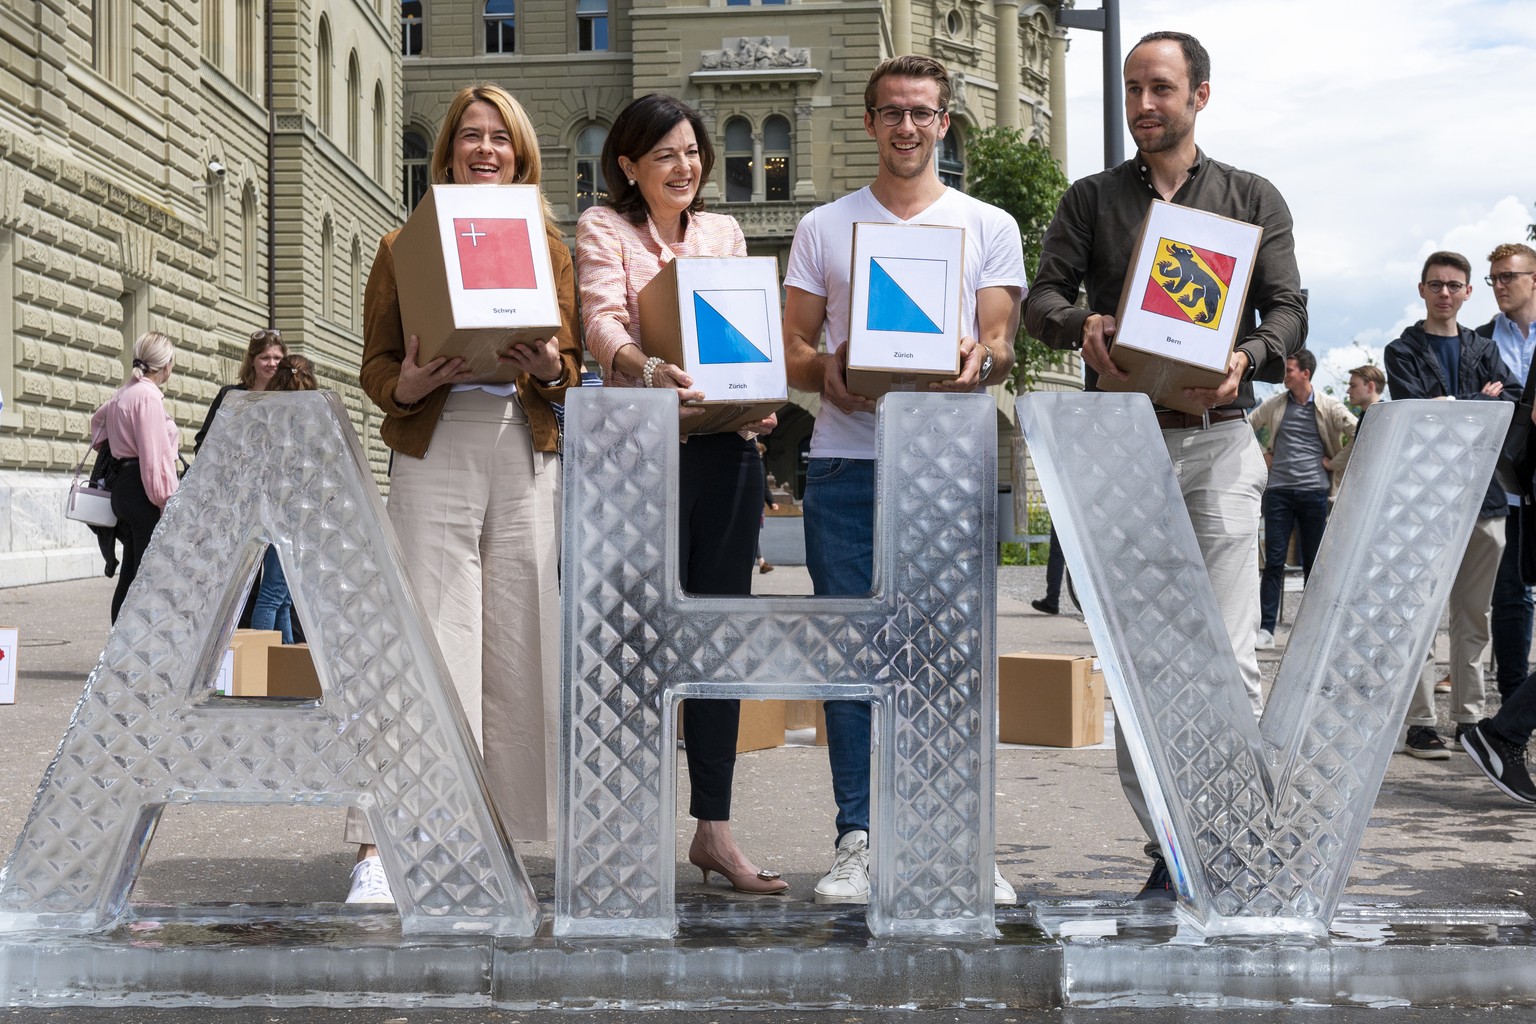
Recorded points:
891,116
1454,287
1507,276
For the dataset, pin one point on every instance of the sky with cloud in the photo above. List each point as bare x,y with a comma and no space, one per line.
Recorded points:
1392,127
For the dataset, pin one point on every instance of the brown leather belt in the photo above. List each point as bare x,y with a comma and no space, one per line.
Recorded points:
1167,419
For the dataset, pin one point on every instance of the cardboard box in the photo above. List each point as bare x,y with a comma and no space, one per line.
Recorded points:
473,273
291,672
1182,304
250,646
10,641
800,714
719,319
1050,700
761,726
904,308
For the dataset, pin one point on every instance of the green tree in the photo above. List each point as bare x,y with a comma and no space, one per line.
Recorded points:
1022,177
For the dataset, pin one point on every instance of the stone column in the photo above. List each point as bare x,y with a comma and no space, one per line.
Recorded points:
805,186
759,172
901,26
1008,76
1058,97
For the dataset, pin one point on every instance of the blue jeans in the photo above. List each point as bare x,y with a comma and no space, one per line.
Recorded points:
1511,618
1284,510
274,605
839,552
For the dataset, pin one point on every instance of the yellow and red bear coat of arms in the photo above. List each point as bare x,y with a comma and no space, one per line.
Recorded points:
1189,283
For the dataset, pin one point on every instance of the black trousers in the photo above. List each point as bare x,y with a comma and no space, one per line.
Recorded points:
137,517
720,502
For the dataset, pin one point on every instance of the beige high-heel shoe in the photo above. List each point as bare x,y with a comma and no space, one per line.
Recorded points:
763,883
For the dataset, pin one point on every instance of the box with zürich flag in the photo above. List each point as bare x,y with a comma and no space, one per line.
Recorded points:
1182,303
718,318
473,273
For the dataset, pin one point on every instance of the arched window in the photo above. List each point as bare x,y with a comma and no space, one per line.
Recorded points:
354,280
738,160
410,28
591,25
776,149
952,159
354,102
591,187
247,57
323,77
414,158
248,242
379,169
500,26
328,269
213,32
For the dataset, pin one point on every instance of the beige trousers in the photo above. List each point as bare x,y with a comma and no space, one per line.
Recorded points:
478,520
1471,605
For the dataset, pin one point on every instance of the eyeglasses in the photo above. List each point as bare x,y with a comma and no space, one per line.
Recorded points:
1454,287
1507,277
267,334
922,117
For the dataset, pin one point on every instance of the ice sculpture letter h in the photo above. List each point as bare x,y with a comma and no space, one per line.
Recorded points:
920,648
1260,822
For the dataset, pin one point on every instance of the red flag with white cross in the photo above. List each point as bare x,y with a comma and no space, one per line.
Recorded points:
494,252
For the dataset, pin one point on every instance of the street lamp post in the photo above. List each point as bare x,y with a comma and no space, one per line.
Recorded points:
1106,20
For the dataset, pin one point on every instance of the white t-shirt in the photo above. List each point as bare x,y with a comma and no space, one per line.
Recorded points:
821,262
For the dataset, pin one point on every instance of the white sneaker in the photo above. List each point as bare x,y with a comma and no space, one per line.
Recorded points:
1002,893
848,881
1265,641
369,883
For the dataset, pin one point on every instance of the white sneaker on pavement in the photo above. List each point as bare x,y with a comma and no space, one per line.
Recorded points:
1264,641
1002,893
369,883
848,881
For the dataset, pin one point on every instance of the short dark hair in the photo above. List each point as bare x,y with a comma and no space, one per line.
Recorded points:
1305,360
1196,59
911,65
635,133
1445,258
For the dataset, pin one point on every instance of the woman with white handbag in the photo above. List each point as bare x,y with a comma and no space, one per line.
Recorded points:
143,437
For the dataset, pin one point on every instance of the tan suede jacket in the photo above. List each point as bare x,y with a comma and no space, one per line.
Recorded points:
408,428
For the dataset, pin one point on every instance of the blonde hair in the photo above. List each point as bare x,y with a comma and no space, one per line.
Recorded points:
152,353
525,141
1510,249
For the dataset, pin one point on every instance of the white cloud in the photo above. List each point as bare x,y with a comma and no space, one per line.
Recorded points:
1388,129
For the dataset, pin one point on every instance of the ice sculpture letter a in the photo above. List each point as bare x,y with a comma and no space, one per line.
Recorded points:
1260,821
387,735
920,647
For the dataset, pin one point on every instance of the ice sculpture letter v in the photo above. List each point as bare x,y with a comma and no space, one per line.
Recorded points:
1260,822
388,734
921,648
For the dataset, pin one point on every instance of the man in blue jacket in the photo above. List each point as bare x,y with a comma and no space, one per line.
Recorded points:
1438,358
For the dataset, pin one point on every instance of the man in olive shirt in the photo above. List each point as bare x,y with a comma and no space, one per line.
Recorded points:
1090,242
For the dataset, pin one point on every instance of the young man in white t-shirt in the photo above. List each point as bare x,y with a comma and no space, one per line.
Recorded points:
905,102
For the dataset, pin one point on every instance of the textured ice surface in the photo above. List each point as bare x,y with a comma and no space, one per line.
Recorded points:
388,734
1260,822
921,648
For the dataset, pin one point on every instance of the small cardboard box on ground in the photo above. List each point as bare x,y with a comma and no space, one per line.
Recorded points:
718,319
761,726
1183,303
473,273
904,308
250,647
1050,700
291,672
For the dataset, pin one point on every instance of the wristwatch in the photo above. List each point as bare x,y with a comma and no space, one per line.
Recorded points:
986,367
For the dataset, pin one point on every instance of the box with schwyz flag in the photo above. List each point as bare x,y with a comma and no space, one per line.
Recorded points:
1182,304
473,275
904,325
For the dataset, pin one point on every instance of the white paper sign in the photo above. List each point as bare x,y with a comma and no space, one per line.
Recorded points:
906,297
496,255
10,640
225,683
